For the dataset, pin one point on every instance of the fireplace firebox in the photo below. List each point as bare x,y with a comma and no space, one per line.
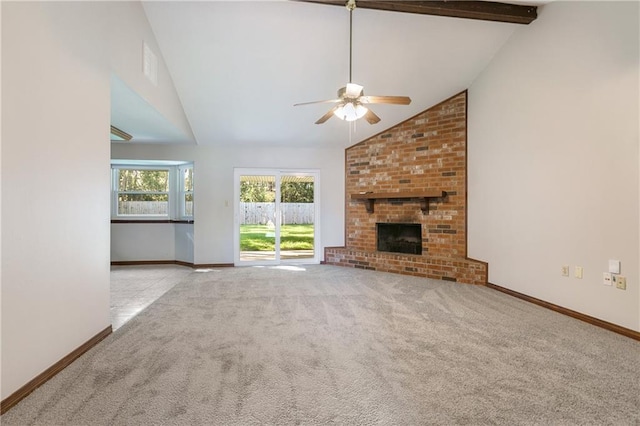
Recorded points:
399,237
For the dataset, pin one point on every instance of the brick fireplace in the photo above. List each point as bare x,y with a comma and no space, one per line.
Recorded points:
413,173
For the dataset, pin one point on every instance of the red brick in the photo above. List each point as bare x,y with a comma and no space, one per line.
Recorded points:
380,163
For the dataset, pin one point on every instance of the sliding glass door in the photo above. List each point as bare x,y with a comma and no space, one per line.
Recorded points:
276,216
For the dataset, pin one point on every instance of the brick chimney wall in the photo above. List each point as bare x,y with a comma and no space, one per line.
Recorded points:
427,151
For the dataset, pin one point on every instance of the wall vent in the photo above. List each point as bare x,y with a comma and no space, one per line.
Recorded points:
149,64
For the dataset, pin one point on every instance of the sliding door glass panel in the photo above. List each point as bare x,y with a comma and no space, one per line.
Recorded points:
297,217
258,221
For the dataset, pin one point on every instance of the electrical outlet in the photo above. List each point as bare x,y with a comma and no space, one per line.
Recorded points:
578,272
621,282
606,277
565,270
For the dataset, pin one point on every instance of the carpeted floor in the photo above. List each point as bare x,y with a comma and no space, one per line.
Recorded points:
134,288
330,345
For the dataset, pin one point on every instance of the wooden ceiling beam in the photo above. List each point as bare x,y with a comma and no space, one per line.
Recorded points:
483,10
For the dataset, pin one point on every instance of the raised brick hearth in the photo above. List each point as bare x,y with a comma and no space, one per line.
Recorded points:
426,152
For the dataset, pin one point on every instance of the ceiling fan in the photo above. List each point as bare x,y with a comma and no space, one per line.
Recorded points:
351,101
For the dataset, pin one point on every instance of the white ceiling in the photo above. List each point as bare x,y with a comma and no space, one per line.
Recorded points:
239,66
141,120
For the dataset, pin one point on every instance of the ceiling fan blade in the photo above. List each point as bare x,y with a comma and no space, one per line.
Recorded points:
331,101
396,100
371,117
327,115
353,90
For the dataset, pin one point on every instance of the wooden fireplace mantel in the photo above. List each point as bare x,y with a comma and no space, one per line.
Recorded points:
424,197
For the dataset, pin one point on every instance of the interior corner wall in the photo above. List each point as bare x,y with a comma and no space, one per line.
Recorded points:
553,151
183,242
55,184
213,227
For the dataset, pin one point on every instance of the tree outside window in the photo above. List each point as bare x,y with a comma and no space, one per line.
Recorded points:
143,192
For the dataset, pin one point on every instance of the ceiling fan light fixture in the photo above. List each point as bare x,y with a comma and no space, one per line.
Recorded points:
350,111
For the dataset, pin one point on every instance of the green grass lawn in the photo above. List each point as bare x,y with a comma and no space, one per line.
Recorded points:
261,238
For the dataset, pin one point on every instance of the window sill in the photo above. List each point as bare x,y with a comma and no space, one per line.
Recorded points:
150,221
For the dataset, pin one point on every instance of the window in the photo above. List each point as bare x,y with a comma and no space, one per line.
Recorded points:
186,191
152,190
143,192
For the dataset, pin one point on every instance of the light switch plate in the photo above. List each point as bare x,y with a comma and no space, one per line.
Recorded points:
577,272
614,266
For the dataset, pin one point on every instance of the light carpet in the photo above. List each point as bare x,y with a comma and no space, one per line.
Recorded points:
331,345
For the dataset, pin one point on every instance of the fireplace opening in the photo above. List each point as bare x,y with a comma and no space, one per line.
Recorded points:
399,237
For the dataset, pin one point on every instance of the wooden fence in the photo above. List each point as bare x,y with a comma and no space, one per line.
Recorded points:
250,213
262,213
143,207
149,208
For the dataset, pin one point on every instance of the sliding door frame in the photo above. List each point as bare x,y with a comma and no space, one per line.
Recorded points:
278,173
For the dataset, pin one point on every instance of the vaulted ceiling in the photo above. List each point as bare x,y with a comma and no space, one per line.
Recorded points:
239,67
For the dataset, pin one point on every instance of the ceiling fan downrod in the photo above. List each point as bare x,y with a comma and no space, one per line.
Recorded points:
351,4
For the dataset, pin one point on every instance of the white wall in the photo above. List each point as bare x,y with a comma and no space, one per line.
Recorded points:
152,241
57,59
183,237
55,179
554,159
0,197
144,241
213,188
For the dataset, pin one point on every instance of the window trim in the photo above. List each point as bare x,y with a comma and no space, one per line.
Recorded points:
176,210
182,192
